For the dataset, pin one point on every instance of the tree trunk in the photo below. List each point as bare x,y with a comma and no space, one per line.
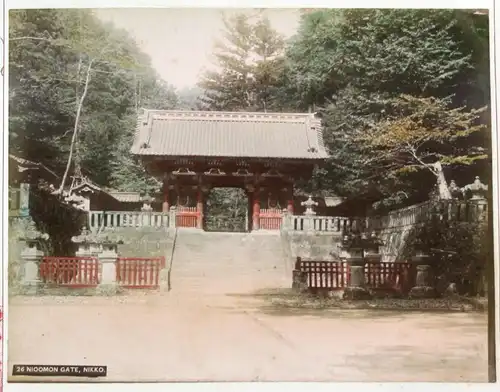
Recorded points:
444,191
75,130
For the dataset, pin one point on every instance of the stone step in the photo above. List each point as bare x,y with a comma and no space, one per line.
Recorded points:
227,261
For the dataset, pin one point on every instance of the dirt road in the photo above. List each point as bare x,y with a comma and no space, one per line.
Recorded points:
229,338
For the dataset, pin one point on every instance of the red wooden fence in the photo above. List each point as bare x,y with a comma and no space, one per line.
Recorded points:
325,274
70,271
387,276
187,217
378,276
270,219
139,272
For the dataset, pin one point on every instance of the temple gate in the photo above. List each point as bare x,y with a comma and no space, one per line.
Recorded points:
264,154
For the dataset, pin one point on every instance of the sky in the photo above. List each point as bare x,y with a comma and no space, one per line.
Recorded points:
180,41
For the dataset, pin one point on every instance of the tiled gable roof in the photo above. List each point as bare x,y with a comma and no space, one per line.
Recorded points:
229,134
126,197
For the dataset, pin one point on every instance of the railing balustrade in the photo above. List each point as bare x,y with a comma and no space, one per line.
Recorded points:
273,219
108,219
323,223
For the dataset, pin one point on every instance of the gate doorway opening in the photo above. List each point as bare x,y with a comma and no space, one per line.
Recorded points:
227,210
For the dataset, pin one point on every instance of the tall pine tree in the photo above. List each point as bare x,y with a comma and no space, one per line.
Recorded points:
249,63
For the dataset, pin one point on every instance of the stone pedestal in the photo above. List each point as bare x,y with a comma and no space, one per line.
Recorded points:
356,286
94,249
299,281
108,258
309,223
172,215
145,218
423,283
299,278
30,270
31,258
83,250
286,220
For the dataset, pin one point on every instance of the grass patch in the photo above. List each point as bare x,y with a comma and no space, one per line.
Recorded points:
289,299
71,292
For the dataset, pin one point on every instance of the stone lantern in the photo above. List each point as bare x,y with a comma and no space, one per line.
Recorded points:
146,210
88,244
108,257
423,283
309,204
371,251
477,192
109,240
147,200
455,191
309,213
353,245
477,189
31,257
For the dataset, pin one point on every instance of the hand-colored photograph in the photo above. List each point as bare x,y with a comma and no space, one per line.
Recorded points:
245,195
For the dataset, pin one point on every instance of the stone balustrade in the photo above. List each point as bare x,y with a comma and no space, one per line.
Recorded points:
320,223
115,219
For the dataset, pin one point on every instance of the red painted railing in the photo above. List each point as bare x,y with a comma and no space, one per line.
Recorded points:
388,276
139,272
325,274
378,276
187,217
70,271
270,219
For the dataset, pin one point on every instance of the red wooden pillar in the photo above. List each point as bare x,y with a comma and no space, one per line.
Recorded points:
165,205
256,209
289,203
199,209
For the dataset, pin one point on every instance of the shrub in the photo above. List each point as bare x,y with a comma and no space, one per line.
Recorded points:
460,250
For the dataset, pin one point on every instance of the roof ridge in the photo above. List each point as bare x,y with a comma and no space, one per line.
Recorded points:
147,115
231,119
214,112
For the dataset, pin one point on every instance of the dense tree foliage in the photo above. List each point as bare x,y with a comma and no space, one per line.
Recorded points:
249,62
353,66
391,86
75,85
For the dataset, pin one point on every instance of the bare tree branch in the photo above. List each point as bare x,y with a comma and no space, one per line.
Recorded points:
75,130
413,153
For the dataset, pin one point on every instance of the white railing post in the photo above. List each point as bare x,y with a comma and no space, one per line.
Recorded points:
171,217
108,258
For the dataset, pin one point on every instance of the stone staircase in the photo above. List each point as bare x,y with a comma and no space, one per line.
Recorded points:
207,262
146,242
